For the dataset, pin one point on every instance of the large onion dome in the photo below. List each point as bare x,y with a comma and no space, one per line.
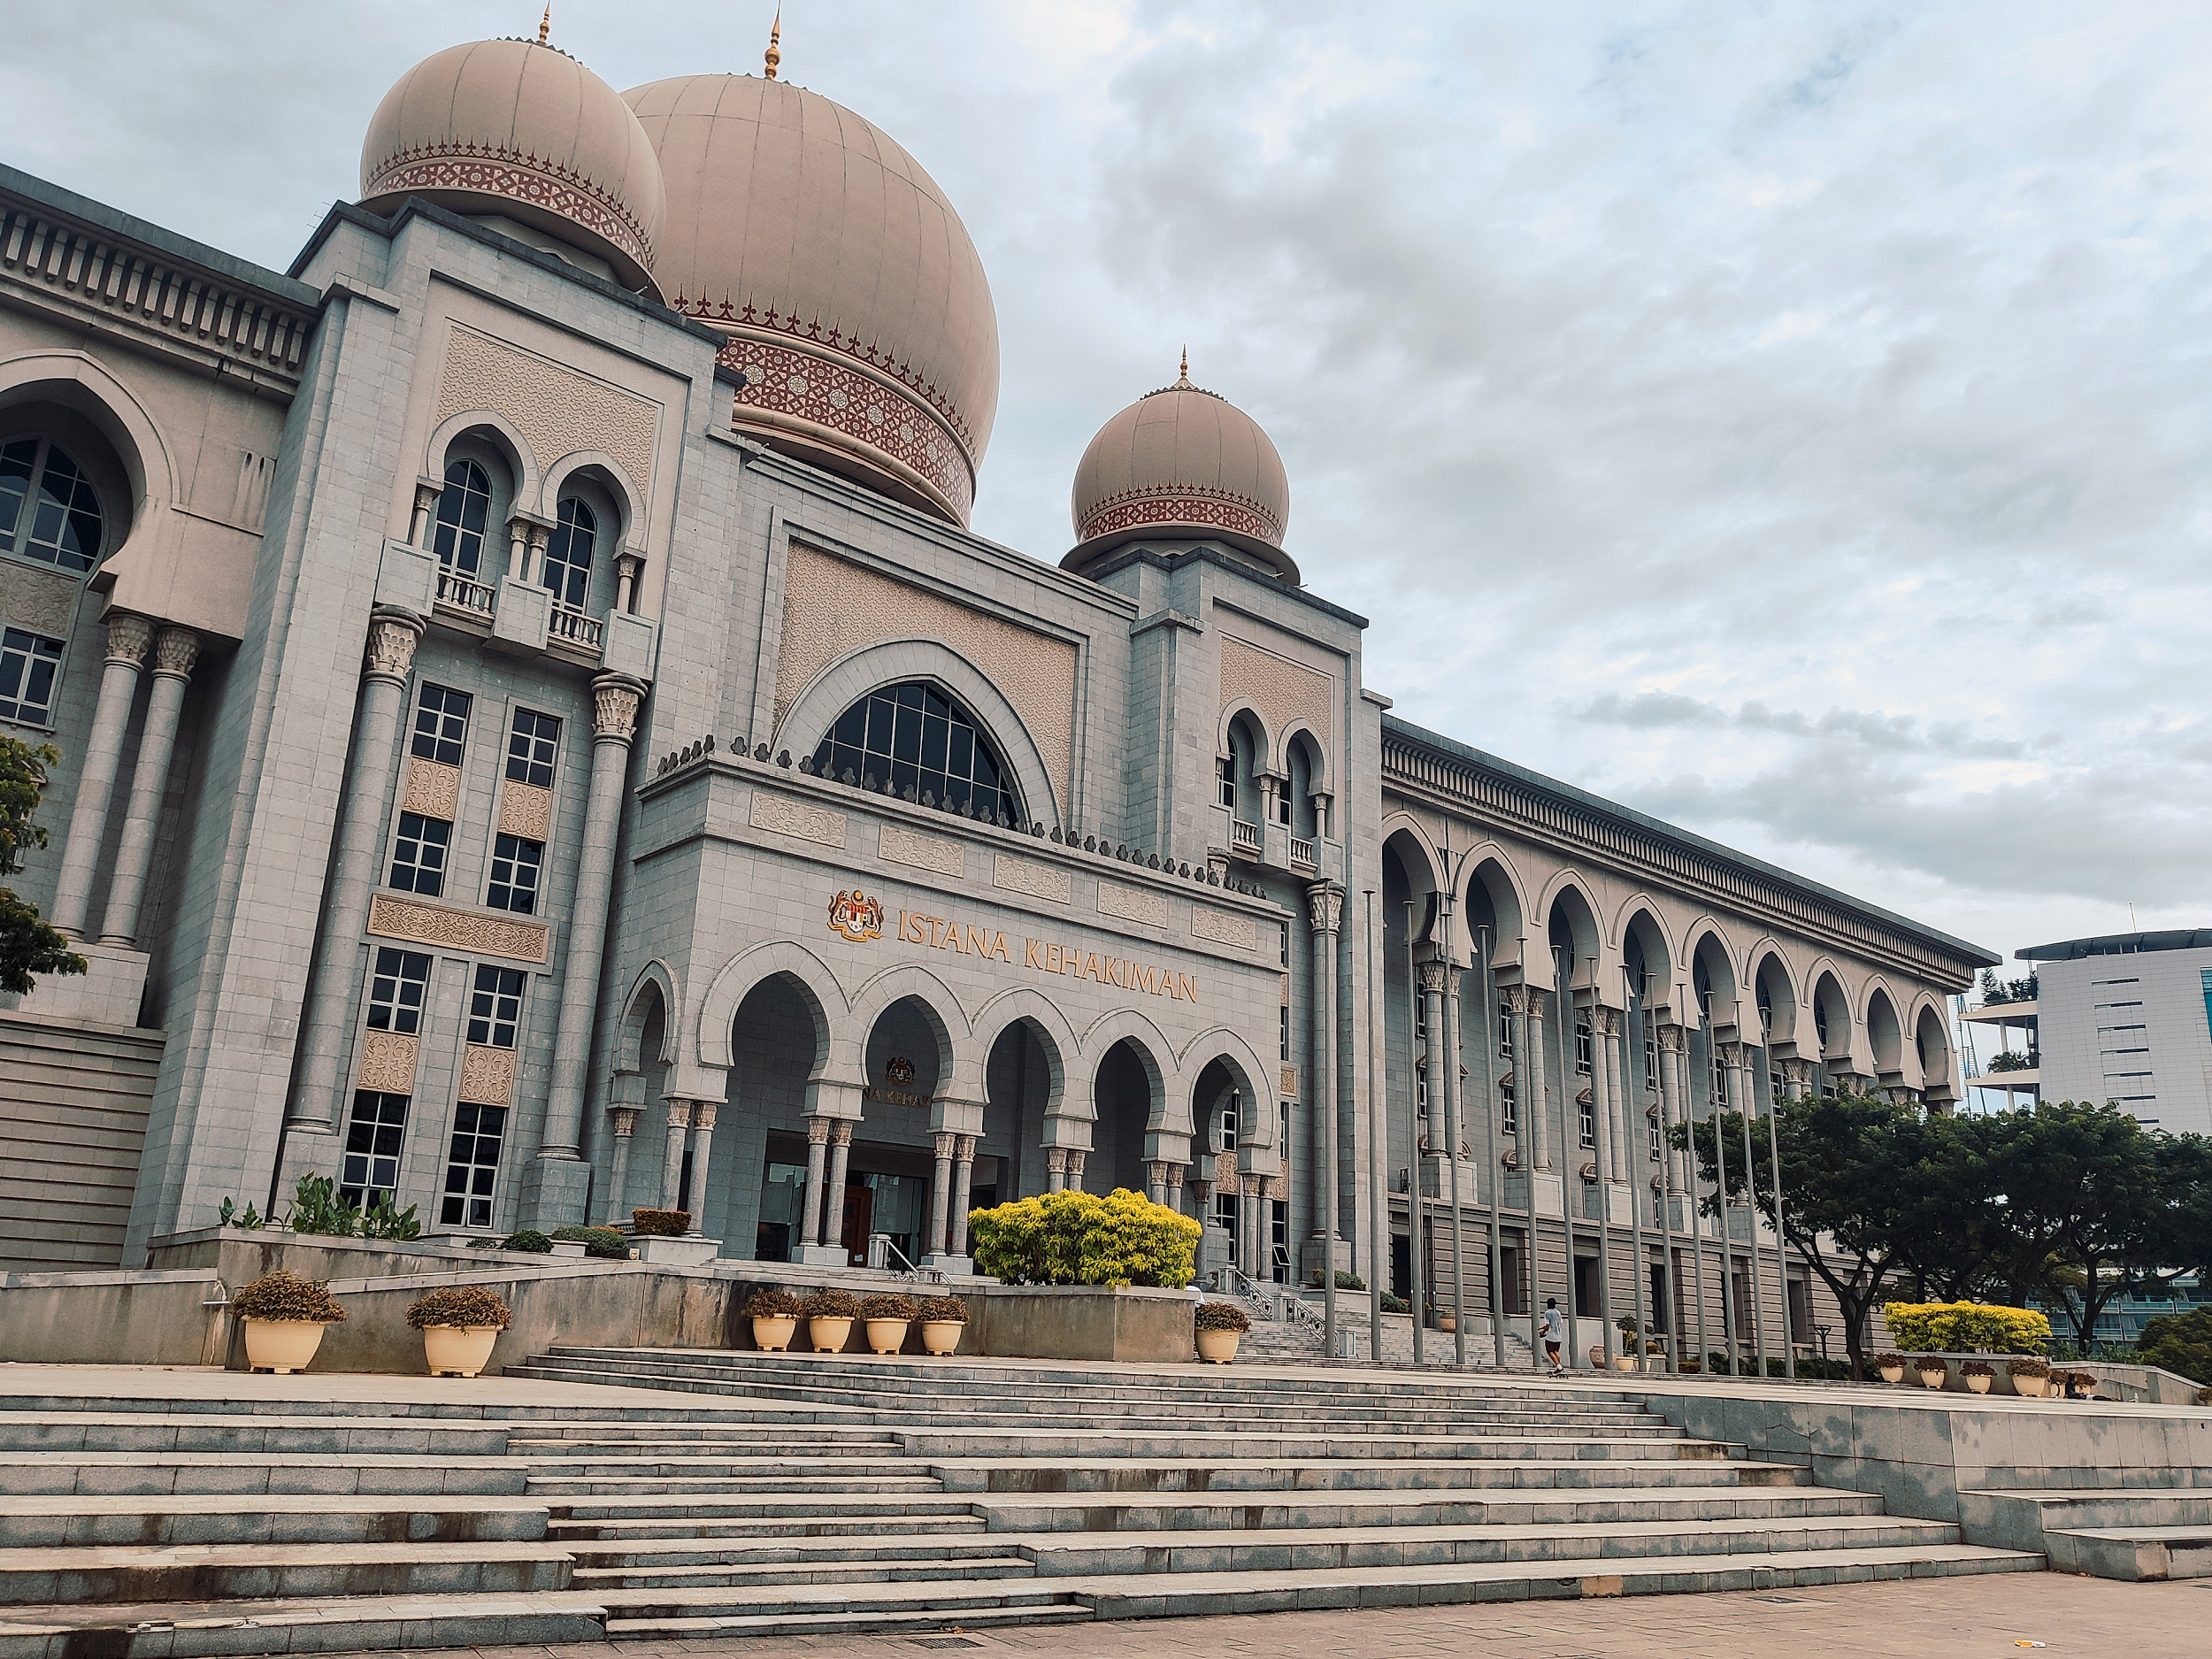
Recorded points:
521,131
1182,462
855,305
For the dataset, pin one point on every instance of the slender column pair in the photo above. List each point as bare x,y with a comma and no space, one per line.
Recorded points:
948,1190
672,1169
1674,1108
1442,1063
175,650
828,1140
625,1119
1324,911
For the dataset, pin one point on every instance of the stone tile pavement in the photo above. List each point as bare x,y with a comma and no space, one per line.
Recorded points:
1961,1618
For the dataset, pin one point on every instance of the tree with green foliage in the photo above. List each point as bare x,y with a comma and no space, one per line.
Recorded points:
2181,1342
28,946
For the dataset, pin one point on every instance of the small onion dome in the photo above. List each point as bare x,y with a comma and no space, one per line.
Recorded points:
522,130
855,306
1182,462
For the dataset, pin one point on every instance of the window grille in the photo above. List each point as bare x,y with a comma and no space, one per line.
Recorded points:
516,865
533,743
566,567
396,990
29,664
442,720
495,1006
464,509
919,740
472,1168
376,1135
1225,781
419,855
48,510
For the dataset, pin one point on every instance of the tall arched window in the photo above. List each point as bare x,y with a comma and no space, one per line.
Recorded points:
48,510
462,512
917,738
567,567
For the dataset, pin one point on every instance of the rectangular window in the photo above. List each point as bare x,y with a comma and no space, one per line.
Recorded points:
1282,803
515,867
442,720
1505,1031
1286,1035
1508,1113
473,1165
1658,1141
418,856
2137,980
396,992
1226,1218
531,747
1226,782
1589,1125
495,1007
29,664
1583,1047
1720,1084
375,1135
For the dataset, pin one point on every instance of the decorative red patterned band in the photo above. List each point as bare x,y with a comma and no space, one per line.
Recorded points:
487,170
808,386
1190,504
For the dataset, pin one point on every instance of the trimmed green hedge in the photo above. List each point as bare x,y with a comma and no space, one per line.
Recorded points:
1081,1239
1966,1327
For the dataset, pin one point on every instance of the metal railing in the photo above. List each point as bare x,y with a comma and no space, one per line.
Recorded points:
882,1253
464,593
1268,1302
568,626
1243,838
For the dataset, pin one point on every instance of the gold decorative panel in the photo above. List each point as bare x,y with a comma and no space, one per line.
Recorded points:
488,1075
1224,928
803,818
1281,690
38,600
832,607
1039,881
526,810
422,922
1133,904
388,1062
433,790
904,846
558,411
1225,1171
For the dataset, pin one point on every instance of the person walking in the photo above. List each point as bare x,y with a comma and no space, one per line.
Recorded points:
1553,1330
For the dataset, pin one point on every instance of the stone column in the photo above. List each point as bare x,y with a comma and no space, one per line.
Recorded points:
1056,1169
672,1171
1156,1179
1529,1065
615,699
627,567
841,1148
1673,1108
1324,911
393,636
963,1175
1075,1169
1605,1032
1797,1076
1175,1185
818,1133
703,1112
129,637
618,1181
175,650
427,491
941,1194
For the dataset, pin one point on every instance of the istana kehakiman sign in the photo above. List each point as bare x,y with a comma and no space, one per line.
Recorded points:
859,917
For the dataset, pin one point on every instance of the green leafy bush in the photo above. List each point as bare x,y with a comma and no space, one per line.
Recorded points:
1960,1327
282,1295
231,1216
2180,1342
318,1210
943,1311
1221,1315
890,1307
772,1302
1070,1238
471,1307
529,1240
661,1224
831,1304
606,1243
1395,1305
381,1220
1344,1280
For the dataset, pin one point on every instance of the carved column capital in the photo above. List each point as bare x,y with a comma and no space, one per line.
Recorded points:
625,1121
818,1132
1674,1039
1056,1160
129,637
702,1114
1518,998
1606,1022
1734,1054
841,1133
175,650
1795,1070
393,635
678,1114
1432,978
614,705
948,1145
629,565
1324,906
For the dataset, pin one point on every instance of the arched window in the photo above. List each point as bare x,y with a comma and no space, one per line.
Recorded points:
919,738
567,567
48,510
462,512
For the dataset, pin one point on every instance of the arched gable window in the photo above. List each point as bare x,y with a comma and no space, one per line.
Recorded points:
48,510
462,512
919,738
567,564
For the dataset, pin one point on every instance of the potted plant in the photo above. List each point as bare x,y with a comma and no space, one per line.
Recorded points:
2030,1376
829,1315
1220,1325
285,1315
459,1323
1979,1375
774,1312
1934,1371
888,1317
1890,1367
942,1318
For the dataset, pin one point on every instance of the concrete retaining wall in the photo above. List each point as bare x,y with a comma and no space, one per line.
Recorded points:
112,1318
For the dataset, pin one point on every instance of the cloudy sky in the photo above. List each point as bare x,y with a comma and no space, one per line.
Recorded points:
1787,418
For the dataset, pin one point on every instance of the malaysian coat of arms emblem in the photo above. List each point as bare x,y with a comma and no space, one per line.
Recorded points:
856,917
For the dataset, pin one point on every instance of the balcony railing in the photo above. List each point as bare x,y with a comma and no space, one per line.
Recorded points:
1301,854
1244,838
568,626
463,593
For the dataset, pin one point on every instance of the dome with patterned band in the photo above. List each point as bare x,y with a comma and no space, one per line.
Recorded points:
519,130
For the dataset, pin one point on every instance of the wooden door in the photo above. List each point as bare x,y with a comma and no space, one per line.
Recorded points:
860,1207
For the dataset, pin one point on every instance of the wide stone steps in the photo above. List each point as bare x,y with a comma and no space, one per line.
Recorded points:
1227,1475
1265,1441
141,1431
620,1485
89,1473
279,1519
214,1572
1267,1512
871,1569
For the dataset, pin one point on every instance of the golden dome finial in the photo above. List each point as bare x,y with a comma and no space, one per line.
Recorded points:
774,54
545,23
1182,377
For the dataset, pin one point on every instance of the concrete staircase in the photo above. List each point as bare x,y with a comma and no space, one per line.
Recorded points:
747,1493
1298,1342
2135,1534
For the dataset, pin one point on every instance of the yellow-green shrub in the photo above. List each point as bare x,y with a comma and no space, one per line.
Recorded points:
1081,1238
1962,1327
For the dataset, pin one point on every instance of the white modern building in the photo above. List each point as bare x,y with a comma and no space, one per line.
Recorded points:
2127,1017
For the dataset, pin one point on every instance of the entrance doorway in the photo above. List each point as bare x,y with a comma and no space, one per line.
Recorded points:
860,1203
1586,1306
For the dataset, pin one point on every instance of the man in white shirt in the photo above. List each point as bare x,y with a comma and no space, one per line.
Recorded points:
1553,1330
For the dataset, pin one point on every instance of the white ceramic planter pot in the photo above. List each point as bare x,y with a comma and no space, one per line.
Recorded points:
1933,1378
2028,1387
1625,1362
773,1335
456,1350
886,1336
282,1345
1978,1384
941,1337
828,1335
1892,1373
1218,1348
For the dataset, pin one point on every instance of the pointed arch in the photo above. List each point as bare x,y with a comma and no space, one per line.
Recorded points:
1487,877
82,383
1238,1057
818,987
502,435
1056,1036
959,1069
605,472
655,980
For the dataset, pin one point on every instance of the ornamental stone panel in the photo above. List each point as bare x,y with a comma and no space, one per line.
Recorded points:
1038,882
558,411
388,1062
904,846
421,922
803,818
433,790
1133,904
488,1075
38,600
1224,928
526,810
1281,690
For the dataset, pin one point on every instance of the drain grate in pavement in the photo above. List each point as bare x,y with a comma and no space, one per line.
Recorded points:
1789,1600
945,1641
